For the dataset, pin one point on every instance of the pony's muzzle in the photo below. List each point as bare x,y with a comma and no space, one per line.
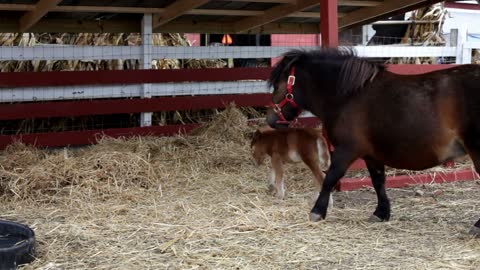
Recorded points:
274,121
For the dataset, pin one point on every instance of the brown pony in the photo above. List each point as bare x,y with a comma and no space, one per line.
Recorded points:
403,121
291,146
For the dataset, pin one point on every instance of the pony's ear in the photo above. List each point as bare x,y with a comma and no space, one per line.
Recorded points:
283,66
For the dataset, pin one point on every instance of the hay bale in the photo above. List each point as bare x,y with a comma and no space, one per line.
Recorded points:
114,165
228,125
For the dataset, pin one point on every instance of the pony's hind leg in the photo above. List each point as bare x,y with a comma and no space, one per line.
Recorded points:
377,173
472,145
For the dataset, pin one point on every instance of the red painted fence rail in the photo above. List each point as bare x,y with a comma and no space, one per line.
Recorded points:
112,77
119,106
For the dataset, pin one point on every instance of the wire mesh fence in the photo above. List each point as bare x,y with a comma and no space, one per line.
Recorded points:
95,52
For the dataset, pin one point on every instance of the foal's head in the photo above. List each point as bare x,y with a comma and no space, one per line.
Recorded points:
308,79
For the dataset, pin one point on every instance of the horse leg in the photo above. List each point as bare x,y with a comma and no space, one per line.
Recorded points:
277,167
472,146
475,230
342,158
314,165
377,173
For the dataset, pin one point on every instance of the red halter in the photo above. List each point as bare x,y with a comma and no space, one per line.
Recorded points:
277,108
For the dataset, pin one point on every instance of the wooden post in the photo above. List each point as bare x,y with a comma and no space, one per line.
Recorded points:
329,22
147,43
365,35
329,34
464,55
453,37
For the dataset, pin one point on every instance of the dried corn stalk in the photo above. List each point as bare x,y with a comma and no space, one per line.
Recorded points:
476,57
97,39
424,34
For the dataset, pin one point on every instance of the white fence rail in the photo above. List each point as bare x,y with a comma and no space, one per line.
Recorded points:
24,94
58,52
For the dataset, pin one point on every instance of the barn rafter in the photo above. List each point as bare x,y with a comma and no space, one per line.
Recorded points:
274,14
176,9
39,10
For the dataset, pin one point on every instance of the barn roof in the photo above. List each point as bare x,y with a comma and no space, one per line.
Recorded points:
190,16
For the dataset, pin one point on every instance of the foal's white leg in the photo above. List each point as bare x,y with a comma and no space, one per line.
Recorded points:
277,167
271,180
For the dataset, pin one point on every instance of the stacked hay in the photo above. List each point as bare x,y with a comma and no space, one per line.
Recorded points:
424,34
115,165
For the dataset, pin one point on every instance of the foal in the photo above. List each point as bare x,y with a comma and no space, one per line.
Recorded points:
291,146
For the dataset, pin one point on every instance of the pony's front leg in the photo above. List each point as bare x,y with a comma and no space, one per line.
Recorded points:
342,158
377,173
314,165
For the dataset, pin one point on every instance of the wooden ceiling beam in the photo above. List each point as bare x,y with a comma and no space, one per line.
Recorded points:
387,8
32,17
340,2
140,10
312,15
359,3
127,26
266,1
176,9
273,14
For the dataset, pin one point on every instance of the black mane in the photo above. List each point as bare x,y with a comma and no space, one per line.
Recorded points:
353,75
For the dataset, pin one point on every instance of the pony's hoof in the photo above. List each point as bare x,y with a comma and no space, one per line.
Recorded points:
374,219
315,217
475,231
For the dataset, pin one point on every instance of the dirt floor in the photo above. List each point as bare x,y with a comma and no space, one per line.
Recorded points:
191,203
207,225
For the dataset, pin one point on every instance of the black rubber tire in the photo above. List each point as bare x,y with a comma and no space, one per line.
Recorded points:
17,245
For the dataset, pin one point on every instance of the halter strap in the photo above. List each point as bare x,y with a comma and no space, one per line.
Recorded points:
289,98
